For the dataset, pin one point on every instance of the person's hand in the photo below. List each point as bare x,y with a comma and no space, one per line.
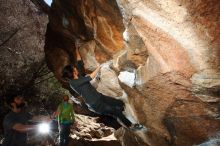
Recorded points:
57,113
101,65
98,76
94,73
13,105
78,56
54,114
98,68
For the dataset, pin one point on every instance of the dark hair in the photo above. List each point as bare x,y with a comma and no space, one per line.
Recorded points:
68,72
65,95
10,98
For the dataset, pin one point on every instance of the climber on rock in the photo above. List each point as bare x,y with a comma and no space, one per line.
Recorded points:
97,102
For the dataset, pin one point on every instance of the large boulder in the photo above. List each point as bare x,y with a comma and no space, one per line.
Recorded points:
22,29
21,42
172,48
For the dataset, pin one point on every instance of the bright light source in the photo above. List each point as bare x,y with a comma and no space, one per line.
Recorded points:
48,2
44,128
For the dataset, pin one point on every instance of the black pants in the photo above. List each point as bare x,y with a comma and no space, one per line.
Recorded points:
112,107
64,134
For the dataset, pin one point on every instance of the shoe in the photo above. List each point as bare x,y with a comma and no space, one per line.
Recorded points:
136,127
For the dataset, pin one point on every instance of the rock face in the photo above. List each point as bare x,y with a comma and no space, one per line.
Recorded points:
22,28
21,42
23,68
129,138
88,128
171,46
88,132
81,22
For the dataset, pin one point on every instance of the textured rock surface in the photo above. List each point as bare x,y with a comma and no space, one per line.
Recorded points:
21,42
212,142
172,46
88,133
129,138
88,128
22,28
179,39
82,21
94,143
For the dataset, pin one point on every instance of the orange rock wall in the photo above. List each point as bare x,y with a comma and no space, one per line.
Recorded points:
173,48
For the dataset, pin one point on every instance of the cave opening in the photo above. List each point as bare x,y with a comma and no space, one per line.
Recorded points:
49,2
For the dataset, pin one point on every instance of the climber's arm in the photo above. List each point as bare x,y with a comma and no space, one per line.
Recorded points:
78,56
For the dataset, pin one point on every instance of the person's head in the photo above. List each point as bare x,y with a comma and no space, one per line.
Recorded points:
16,102
70,72
75,73
65,98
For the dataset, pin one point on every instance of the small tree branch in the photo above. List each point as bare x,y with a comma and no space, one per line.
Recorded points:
14,33
41,75
44,80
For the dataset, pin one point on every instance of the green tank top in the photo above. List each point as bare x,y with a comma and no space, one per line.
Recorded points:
66,115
